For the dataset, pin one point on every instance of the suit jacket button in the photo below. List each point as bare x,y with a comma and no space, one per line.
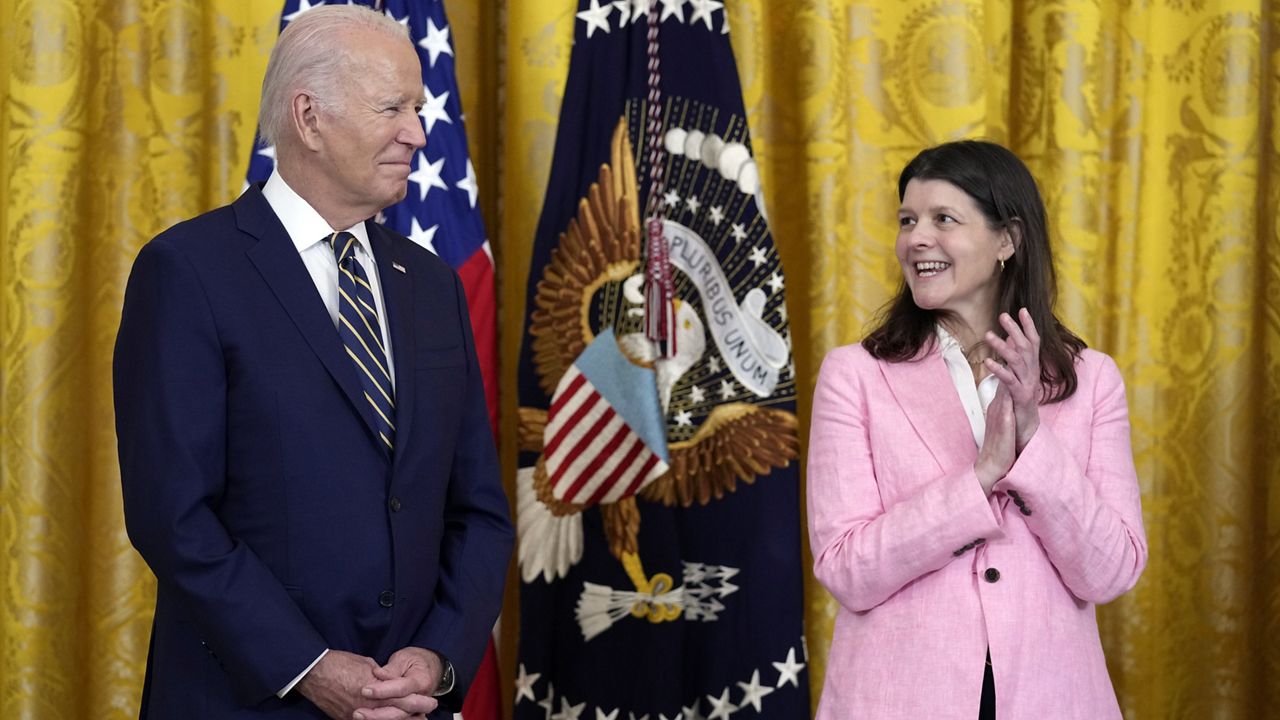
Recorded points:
1024,510
991,575
386,598
395,504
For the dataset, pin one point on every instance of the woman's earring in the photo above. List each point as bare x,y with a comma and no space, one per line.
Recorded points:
1001,264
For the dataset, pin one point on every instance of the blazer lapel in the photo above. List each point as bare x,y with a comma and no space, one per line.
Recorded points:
925,392
282,268
397,299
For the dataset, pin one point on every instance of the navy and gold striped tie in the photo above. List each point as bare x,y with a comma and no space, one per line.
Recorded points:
362,335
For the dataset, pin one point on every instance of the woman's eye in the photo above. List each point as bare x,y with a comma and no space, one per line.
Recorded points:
944,218
905,221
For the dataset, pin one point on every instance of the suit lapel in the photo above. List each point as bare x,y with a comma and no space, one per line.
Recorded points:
282,268
925,392
397,299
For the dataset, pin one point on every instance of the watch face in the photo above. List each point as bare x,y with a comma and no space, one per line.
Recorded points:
446,681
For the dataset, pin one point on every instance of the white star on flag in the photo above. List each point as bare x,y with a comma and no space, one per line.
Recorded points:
672,7
638,8
684,418
427,176
694,711
468,183
426,239
268,152
696,394
789,669
403,21
602,715
596,17
753,692
433,108
525,679
720,706
624,11
671,198
548,703
717,215
567,711
713,362
702,10
303,6
436,42
776,282
694,203
757,256
739,233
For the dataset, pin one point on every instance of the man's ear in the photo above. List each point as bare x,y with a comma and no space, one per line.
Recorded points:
305,116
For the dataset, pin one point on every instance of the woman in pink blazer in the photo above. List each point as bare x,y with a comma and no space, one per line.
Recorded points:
972,492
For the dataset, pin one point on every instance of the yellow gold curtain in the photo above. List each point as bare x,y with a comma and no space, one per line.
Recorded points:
1149,124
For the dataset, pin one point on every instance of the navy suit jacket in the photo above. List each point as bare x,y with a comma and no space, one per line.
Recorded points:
273,519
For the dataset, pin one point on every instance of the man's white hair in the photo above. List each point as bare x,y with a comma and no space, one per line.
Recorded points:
309,57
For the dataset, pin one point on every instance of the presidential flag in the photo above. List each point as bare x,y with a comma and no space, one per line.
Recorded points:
441,213
658,490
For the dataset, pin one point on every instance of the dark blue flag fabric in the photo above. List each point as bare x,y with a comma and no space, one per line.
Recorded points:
658,493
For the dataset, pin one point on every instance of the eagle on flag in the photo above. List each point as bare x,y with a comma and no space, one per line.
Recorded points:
607,452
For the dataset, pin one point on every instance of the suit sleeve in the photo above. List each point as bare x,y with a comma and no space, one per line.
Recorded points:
478,537
864,552
1089,520
170,385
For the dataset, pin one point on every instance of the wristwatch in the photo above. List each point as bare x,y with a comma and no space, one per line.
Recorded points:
445,686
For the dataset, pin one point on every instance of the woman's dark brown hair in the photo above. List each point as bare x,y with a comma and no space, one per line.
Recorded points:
1005,192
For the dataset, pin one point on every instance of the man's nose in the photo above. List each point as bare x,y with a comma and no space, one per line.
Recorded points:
413,134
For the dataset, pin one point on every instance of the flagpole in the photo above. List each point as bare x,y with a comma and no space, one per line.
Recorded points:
660,320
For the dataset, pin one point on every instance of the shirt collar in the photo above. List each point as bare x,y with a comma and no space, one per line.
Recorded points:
946,342
304,225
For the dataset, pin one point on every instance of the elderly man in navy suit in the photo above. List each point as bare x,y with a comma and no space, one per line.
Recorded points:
304,447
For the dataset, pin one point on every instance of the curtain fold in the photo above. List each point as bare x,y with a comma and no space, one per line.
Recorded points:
1150,126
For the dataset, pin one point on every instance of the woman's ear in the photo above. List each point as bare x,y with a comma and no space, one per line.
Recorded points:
1012,240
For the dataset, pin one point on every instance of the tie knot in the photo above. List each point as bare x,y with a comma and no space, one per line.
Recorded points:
344,245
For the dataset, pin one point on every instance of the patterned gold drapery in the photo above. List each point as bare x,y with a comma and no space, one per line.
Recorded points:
1149,124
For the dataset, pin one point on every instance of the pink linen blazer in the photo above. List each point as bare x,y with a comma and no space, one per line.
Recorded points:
929,573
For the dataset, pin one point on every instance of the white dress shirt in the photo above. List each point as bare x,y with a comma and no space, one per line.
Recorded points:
310,234
975,397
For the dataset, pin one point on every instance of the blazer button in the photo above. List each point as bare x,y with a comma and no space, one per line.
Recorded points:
991,575
395,504
387,598
1024,510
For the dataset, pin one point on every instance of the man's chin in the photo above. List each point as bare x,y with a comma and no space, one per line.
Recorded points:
394,195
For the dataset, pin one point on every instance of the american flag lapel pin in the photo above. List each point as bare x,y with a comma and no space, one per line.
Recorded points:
398,266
